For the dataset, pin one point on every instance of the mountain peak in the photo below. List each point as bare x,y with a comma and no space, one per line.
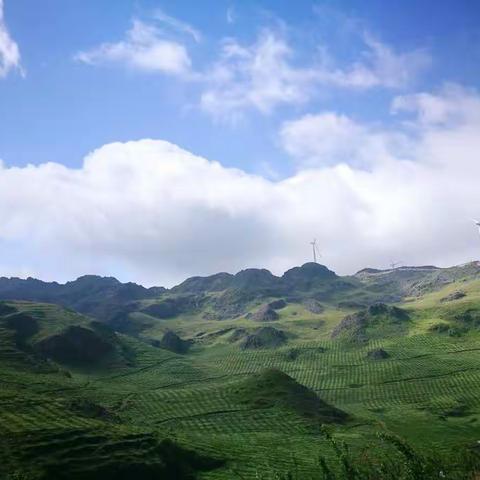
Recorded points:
213,283
96,279
254,276
310,271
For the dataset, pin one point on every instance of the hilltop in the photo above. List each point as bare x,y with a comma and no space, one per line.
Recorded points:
274,388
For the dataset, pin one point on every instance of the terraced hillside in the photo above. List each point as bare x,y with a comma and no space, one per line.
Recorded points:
248,394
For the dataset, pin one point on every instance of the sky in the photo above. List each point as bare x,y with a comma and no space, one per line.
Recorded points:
156,140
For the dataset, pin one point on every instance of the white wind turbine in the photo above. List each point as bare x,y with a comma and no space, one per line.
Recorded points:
315,250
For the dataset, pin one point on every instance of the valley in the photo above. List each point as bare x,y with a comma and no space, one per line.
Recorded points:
238,376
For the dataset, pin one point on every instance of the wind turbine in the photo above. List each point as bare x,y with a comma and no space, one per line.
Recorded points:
477,223
315,250
394,265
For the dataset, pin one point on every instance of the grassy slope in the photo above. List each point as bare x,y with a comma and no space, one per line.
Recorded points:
192,398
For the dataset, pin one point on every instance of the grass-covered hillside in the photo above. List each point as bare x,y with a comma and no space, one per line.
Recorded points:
243,376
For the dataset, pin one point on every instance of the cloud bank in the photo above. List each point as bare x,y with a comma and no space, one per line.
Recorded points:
152,212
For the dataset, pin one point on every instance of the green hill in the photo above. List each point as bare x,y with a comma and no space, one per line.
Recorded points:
264,337
42,333
158,380
94,454
378,320
273,388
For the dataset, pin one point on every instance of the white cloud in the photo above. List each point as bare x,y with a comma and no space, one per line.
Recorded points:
144,48
9,51
454,105
178,25
264,75
152,212
382,67
329,138
259,76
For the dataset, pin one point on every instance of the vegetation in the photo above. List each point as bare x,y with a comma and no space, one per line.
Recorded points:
392,458
271,388
394,394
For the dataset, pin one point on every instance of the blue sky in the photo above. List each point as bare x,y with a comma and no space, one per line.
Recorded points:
63,109
346,93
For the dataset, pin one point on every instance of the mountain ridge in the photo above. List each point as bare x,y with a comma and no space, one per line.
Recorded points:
224,295
114,280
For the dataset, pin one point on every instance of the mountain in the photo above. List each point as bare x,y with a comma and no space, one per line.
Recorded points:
241,373
99,297
413,281
223,295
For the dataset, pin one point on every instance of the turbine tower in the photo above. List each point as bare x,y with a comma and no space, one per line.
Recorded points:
477,223
315,250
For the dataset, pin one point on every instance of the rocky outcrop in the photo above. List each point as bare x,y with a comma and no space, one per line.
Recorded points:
453,296
265,337
313,306
278,304
171,341
376,321
265,314
378,354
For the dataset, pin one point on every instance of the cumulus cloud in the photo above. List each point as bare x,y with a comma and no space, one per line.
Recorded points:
148,206
265,75
145,48
152,212
9,51
329,138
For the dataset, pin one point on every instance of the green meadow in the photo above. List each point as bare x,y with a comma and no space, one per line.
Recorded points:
222,410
